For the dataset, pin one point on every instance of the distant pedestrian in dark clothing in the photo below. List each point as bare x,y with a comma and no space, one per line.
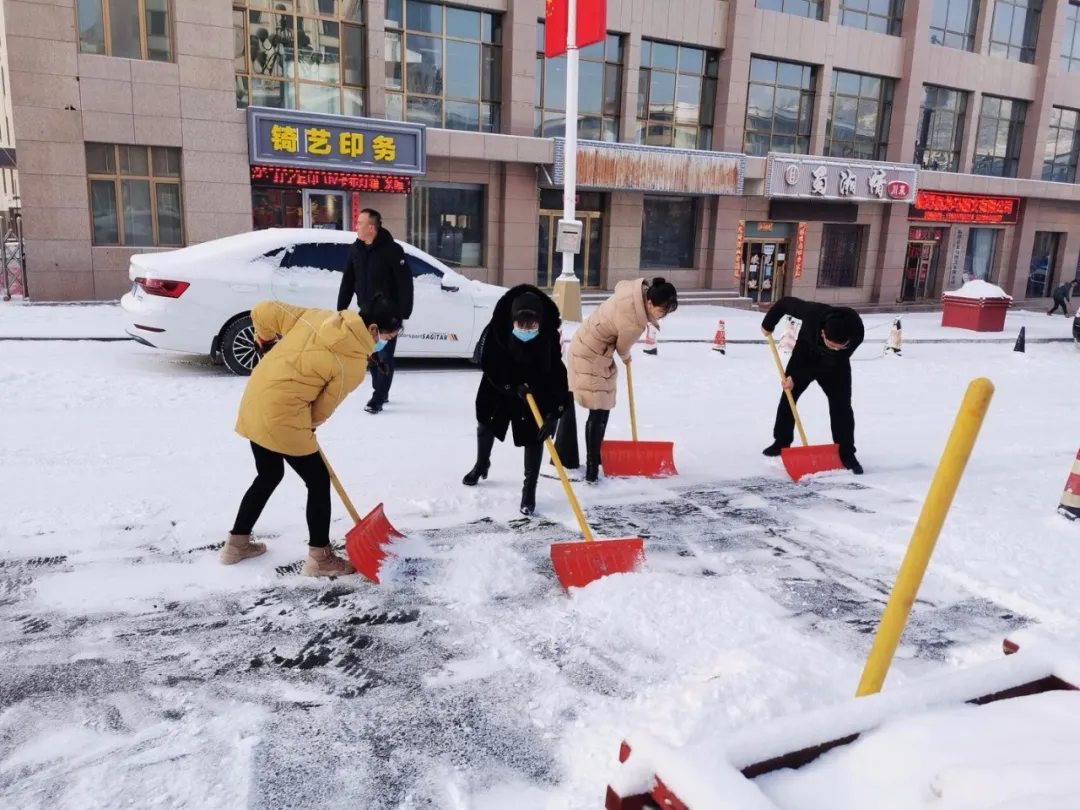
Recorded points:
376,265
828,337
520,354
1061,297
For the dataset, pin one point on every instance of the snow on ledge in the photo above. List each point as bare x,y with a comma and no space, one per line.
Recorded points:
979,290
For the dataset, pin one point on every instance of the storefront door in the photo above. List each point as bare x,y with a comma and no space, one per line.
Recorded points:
325,209
920,271
586,262
764,269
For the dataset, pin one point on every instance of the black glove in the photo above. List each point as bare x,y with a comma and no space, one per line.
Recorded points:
262,348
522,390
551,423
383,367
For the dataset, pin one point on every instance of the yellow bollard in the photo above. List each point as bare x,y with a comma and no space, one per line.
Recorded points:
938,500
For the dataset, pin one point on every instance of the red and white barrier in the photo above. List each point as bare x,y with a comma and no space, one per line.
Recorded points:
650,340
719,341
787,342
1070,496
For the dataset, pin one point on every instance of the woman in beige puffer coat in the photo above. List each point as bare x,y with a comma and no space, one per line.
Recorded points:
615,326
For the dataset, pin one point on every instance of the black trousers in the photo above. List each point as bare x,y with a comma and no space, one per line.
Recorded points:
1059,302
835,381
270,469
380,383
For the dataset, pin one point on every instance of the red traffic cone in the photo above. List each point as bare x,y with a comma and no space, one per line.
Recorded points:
1070,496
650,340
719,341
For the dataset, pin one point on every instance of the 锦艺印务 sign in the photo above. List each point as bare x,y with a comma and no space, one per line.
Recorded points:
334,142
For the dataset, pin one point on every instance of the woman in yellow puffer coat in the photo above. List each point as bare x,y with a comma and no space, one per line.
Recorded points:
318,358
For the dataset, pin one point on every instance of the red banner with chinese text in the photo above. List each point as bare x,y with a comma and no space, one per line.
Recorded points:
591,24
740,233
800,251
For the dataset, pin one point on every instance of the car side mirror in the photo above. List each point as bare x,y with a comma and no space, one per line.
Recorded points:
449,289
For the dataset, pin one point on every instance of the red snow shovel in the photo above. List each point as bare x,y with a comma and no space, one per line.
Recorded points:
810,458
364,542
622,459
578,564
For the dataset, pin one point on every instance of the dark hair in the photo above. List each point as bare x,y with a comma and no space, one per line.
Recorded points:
380,310
661,293
374,216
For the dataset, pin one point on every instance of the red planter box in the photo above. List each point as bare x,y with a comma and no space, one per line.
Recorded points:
975,314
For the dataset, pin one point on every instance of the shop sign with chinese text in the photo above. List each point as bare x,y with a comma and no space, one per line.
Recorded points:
740,235
334,142
800,251
944,206
813,178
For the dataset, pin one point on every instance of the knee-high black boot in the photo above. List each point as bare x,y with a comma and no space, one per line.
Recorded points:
595,427
534,455
485,440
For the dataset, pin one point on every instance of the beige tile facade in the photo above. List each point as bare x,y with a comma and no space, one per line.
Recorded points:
61,100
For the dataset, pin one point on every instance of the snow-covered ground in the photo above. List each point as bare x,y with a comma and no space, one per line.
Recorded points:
137,671
691,323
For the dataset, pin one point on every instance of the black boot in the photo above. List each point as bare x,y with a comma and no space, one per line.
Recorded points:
773,450
534,455
485,440
595,427
847,458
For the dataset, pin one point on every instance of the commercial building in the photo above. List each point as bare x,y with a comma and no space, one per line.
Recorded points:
859,151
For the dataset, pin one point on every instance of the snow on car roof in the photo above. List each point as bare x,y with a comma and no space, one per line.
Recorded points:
243,246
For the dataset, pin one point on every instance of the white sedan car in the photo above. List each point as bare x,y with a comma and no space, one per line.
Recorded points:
198,299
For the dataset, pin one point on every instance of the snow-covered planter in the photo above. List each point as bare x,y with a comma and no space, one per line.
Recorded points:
979,306
931,742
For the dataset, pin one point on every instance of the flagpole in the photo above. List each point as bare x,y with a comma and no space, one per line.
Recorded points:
567,288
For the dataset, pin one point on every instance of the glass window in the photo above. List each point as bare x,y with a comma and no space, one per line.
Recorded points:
277,207
1042,272
599,91
311,57
443,66
780,106
881,16
322,255
952,24
860,111
1062,146
1015,29
981,249
135,195
1001,130
800,8
676,95
840,249
668,231
941,129
446,220
1070,39
131,29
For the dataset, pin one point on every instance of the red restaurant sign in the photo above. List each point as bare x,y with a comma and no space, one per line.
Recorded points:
941,206
320,178
740,234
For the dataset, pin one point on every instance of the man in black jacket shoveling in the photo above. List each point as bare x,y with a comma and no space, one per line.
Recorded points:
377,265
828,337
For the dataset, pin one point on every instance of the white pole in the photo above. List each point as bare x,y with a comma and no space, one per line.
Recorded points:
570,156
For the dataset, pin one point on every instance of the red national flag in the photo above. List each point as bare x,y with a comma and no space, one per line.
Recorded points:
591,24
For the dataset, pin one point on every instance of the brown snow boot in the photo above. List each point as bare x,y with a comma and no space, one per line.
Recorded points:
323,562
238,547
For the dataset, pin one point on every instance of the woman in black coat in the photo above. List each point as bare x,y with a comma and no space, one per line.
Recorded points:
519,354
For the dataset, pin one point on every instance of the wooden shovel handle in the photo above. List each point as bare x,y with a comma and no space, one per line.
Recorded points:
790,397
562,472
340,489
630,396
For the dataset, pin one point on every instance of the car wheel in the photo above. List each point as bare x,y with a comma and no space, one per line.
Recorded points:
238,347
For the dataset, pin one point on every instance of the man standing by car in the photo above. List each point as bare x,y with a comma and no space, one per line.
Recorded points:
377,265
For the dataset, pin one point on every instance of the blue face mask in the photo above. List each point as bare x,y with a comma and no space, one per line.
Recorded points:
380,344
525,335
